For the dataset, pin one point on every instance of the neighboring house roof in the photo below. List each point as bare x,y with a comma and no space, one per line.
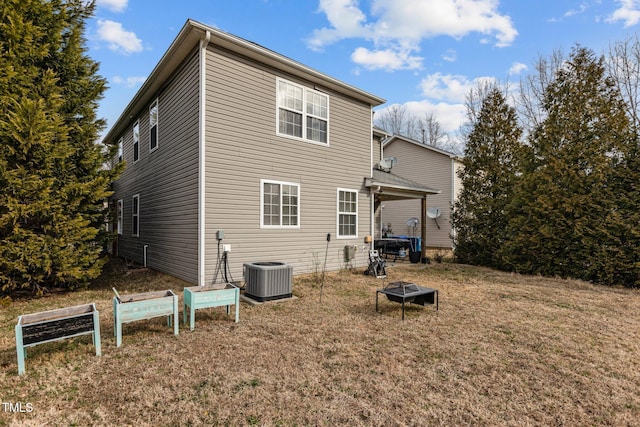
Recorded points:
394,138
389,186
377,131
191,34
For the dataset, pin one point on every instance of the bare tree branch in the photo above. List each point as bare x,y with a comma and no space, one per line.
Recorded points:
623,64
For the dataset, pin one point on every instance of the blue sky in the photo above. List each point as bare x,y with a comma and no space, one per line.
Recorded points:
425,54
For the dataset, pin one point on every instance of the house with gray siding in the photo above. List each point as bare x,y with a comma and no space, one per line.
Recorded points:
431,167
232,147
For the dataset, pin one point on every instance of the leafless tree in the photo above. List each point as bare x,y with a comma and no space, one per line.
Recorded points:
393,119
428,130
623,64
431,131
473,103
533,87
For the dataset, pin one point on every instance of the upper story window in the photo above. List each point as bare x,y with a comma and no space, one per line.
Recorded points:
136,141
153,126
120,149
302,112
347,213
280,204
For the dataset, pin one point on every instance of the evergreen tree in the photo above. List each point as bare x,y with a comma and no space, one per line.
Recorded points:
623,248
488,179
52,179
565,216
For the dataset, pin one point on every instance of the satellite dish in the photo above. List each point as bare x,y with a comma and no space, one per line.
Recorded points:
413,222
412,225
434,214
388,162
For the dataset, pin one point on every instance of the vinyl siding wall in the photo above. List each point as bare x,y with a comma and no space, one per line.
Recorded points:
166,180
242,148
431,169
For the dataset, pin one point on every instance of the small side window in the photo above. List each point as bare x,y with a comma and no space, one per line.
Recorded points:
135,216
153,126
119,216
136,141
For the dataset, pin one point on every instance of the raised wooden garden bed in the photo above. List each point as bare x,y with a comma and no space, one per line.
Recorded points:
130,308
196,297
54,325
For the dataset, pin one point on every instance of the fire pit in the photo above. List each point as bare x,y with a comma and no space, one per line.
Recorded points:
403,292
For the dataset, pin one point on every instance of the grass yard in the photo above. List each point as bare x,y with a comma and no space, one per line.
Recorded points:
503,349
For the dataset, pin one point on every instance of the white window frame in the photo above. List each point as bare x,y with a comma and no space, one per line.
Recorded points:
306,93
279,226
136,141
120,150
156,125
135,215
341,212
119,215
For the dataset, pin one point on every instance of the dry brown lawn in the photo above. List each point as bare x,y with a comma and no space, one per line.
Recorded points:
503,349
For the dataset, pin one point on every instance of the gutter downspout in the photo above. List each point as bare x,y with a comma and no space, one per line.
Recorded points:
372,213
204,42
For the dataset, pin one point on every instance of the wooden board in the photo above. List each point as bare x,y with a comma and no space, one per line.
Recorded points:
57,329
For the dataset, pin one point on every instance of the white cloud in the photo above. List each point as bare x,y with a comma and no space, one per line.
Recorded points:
118,38
386,59
450,116
517,68
581,9
346,19
629,12
400,25
450,55
418,19
114,5
445,96
129,82
450,88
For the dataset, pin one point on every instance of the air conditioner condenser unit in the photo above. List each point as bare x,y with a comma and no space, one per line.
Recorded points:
268,280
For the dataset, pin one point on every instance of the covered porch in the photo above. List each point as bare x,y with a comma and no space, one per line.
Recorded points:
386,186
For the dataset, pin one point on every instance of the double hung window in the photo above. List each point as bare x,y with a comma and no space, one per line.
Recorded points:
280,204
302,112
347,213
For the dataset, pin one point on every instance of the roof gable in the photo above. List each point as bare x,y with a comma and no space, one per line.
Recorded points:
402,139
190,36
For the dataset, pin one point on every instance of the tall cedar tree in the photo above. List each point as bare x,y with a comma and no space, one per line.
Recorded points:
52,176
488,179
565,217
623,255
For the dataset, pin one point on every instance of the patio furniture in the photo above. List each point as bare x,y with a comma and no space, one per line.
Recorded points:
393,246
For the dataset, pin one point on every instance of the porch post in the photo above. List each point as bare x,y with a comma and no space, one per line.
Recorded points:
423,231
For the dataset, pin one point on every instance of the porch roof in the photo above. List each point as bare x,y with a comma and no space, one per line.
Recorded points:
389,186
